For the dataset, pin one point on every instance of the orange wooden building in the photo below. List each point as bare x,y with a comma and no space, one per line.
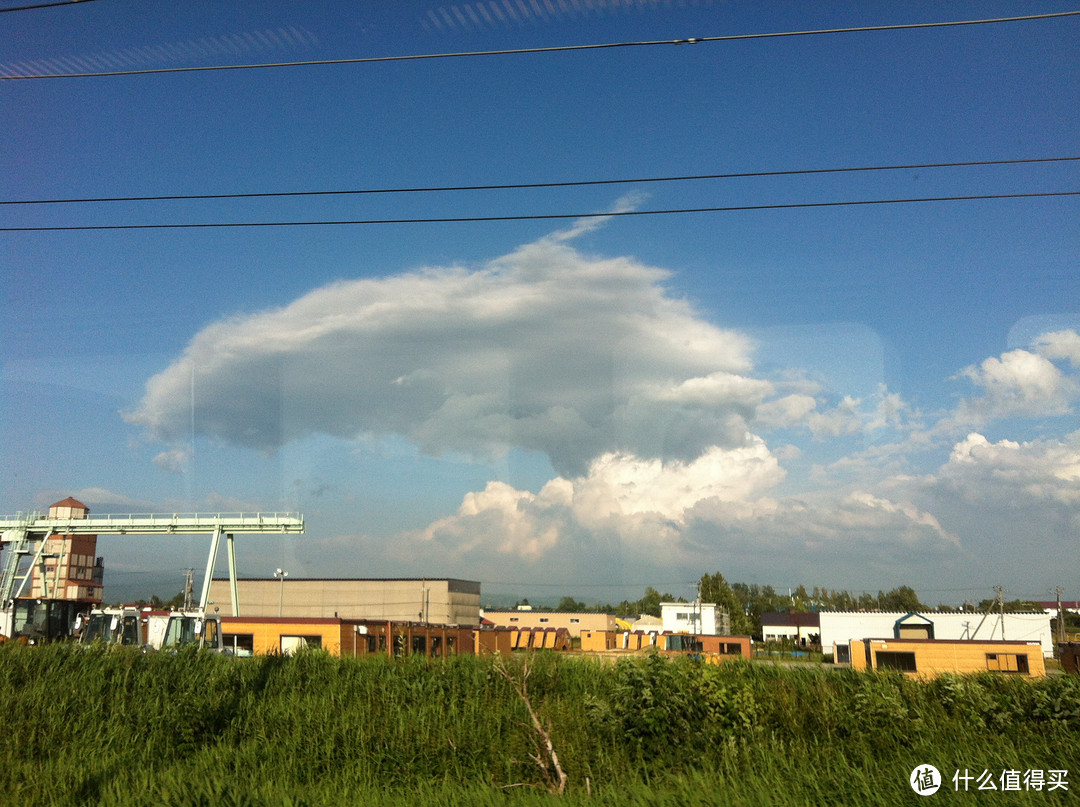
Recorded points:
931,657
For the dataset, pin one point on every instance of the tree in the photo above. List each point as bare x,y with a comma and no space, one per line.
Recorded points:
714,588
650,603
570,604
901,598
1010,605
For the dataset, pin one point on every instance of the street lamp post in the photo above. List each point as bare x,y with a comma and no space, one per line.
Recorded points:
281,575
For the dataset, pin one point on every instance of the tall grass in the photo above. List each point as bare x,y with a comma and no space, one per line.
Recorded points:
95,726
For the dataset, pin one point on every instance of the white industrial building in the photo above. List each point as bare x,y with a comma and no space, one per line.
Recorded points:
838,628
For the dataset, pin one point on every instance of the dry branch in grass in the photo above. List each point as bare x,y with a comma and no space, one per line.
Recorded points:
545,757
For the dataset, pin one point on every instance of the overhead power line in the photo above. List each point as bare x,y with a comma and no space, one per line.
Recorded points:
533,185
44,5
535,217
550,49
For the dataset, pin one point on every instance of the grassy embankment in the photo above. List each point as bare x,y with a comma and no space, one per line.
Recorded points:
119,728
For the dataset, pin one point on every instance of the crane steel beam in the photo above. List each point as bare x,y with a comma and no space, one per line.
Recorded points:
156,524
25,534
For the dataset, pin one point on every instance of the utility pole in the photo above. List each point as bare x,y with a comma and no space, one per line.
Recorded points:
999,592
1060,617
281,574
697,608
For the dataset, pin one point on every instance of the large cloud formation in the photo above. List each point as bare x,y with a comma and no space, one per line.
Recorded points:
543,349
651,417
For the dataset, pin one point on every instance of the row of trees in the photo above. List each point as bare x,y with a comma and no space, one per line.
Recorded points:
745,603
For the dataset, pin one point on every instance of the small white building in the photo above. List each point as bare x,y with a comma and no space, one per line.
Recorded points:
695,617
648,624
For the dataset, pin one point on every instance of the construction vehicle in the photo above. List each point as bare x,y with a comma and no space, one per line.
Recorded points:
112,626
192,628
170,631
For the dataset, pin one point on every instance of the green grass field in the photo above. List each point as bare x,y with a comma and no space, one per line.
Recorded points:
90,726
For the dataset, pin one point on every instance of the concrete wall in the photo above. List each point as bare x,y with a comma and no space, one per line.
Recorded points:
574,622
445,601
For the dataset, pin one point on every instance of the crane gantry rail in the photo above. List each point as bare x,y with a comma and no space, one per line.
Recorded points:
26,535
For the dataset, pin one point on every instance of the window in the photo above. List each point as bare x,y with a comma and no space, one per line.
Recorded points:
574,620
513,619
290,644
544,619
242,644
681,642
894,660
1008,662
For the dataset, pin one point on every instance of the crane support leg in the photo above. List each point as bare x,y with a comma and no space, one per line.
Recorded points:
232,574
214,543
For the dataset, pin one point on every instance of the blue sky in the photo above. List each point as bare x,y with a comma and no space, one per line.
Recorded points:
849,397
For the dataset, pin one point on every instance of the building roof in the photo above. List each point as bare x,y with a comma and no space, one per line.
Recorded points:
927,614
995,642
794,619
70,502
911,616
542,611
349,579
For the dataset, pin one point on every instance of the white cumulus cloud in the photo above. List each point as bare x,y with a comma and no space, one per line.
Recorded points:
682,513
1022,383
1060,345
544,349
1009,472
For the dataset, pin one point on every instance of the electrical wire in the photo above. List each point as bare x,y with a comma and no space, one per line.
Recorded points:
536,216
550,49
533,185
44,5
